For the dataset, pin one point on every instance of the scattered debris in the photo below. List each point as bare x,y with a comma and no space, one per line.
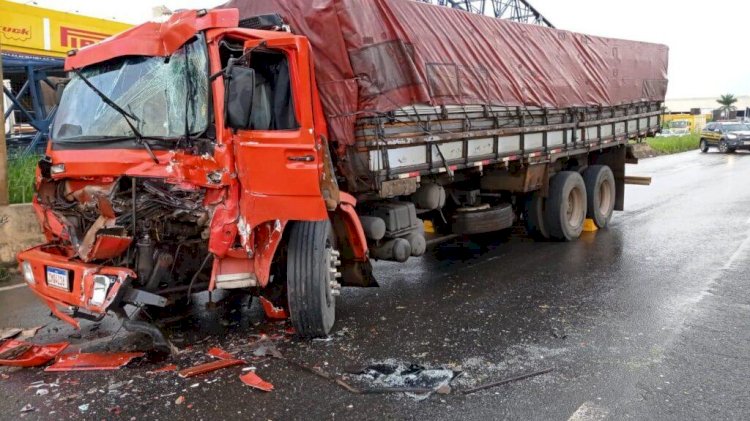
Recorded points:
29,333
444,389
28,408
324,375
253,380
93,361
166,368
84,407
272,312
180,400
23,354
42,392
416,380
220,354
506,381
9,333
265,347
208,367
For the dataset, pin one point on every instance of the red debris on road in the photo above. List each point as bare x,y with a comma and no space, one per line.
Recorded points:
273,312
24,354
253,380
93,361
166,368
220,354
209,367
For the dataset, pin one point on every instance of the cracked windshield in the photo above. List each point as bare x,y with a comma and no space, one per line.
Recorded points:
161,94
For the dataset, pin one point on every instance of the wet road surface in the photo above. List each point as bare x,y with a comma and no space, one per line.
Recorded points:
645,320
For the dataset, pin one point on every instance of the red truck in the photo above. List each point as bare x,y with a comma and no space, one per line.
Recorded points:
275,147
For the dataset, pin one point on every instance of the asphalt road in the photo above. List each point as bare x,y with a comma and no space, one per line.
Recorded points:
645,320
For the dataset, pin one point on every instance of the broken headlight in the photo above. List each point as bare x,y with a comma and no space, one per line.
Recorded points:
28,273
101,289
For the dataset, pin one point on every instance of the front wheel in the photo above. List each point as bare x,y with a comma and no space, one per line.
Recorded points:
311,278
723,147
704,146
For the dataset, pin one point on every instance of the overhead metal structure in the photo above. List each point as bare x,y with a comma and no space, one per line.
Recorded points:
515,10
35,42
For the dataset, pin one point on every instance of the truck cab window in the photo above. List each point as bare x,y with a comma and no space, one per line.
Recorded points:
273,104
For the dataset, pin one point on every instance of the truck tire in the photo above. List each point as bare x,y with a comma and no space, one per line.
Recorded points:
600,194
311,278
534,217
704,145
565,208
481,221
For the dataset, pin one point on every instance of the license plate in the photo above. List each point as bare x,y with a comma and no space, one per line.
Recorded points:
58,278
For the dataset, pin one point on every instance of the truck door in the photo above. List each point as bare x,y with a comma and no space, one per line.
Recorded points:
278,159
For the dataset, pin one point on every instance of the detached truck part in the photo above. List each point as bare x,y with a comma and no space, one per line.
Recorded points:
267,146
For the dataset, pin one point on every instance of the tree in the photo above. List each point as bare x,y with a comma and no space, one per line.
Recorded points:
727,104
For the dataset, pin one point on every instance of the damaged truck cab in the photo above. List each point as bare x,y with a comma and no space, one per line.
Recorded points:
199,153
192,184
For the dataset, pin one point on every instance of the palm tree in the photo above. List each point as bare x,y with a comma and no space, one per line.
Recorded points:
727,104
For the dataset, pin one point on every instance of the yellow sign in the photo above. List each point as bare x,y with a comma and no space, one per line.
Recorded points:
33,30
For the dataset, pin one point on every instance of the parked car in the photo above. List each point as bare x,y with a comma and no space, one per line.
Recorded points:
728,136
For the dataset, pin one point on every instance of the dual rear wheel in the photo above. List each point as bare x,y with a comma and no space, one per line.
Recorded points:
572,198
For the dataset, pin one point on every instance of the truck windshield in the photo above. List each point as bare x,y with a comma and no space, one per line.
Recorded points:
163,94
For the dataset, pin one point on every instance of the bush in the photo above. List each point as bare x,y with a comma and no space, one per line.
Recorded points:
674,144
21,173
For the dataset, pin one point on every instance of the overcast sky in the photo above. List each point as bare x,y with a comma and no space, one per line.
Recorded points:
709,41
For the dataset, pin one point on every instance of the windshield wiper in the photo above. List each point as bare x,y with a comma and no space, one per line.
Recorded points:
139,138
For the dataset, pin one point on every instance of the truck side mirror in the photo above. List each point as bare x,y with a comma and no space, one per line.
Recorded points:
239,88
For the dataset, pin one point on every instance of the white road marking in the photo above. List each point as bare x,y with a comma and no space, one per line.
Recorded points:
10,287
589,411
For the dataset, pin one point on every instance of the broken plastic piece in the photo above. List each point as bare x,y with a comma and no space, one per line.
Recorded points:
92,361
9,332
253,380
273,312
220,354
208,367
166,368
23,354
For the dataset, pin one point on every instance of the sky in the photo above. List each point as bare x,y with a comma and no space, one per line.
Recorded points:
708,55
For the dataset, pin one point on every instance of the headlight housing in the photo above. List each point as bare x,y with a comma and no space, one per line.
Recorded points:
101,289
731,136
28,273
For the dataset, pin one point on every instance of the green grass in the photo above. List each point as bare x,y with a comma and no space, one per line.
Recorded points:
674,144
21,172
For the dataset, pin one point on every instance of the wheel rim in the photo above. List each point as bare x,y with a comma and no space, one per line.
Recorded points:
576,208
605,198
723,146
332,287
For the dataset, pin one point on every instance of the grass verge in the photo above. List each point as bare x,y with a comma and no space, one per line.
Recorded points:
21,172
674,144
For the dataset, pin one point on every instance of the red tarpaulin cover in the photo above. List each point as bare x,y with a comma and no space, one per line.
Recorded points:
381,55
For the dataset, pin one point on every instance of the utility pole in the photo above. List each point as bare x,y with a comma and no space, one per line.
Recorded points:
3,146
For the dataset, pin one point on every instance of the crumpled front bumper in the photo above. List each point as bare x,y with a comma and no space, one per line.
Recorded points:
81,281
